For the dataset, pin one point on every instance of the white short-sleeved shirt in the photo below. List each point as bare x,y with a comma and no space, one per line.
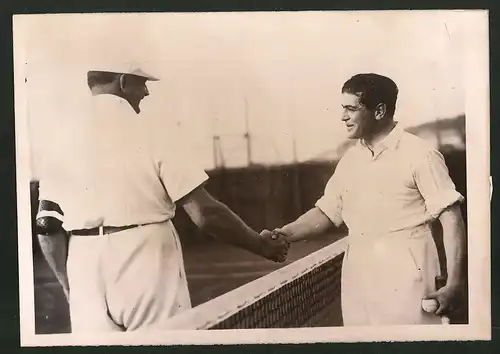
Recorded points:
404,183
110,166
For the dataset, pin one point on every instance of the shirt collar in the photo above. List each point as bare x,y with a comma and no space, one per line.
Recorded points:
108,99
390,142
112,105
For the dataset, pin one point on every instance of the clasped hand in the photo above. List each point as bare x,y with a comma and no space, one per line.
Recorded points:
274,245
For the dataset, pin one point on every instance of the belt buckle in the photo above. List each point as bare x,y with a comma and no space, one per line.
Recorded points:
101,230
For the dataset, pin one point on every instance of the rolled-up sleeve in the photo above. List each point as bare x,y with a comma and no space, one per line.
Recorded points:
435,184
181,178
179,171
331,201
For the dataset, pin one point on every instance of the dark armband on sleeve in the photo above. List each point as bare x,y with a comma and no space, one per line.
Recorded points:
49,219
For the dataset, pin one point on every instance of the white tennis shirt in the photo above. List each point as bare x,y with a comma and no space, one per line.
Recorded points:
110,166
404,183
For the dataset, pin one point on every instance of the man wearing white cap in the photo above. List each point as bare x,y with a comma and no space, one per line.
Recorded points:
114,188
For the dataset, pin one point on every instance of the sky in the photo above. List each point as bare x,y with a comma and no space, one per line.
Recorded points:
279,74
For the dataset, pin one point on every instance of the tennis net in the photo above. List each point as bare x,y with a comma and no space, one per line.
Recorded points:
301,294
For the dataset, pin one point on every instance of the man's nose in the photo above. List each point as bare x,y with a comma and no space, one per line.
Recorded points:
146,91
344,117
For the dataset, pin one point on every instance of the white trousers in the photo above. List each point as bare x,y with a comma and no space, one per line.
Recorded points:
129,280
385,277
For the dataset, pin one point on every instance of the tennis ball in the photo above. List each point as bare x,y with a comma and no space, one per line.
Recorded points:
430,305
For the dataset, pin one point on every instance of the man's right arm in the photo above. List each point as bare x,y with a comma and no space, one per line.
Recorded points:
217,220
326,214
184,179
312,223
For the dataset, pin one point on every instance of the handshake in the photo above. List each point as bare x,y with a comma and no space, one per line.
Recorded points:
274,245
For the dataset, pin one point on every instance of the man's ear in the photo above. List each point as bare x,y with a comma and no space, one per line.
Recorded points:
123,79
380,111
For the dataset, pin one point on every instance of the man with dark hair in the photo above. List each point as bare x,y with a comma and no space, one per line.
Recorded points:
373,89
106,206
387,189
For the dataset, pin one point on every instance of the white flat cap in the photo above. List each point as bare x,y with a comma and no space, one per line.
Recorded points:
131,68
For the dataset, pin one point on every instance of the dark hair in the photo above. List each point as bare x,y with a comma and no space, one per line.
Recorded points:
100,78
373,89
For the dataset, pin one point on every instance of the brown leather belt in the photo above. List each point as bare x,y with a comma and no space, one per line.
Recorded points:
102,230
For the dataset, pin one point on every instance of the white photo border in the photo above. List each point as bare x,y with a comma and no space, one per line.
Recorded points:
476,73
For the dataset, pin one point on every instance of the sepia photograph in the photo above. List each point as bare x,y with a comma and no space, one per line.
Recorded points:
271,177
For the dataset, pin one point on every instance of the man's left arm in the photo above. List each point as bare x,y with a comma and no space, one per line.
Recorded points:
443,203
53,240
454,244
